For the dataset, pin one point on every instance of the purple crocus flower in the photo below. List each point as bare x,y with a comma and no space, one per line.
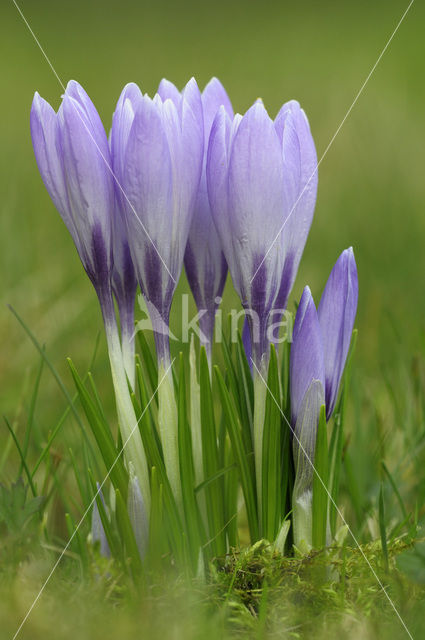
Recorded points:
307,359
74,160
262,202
204,261
245,176
124,281
251,167
158,160
321,339
307,379
337,312
72,154
301,171
300,181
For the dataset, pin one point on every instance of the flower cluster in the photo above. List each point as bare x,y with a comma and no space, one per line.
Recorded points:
183,181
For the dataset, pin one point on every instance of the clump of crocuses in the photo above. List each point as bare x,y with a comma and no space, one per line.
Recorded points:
321,340
182,180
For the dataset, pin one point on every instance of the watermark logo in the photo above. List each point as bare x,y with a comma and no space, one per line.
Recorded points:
279,328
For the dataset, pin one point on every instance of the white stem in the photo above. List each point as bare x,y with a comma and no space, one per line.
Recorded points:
133,451
128,352
260,394
302,508
196,430
168,428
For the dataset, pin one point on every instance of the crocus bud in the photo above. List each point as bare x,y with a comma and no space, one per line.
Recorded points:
137,513
307,381
245,176
319,350
160,173
337,312
97,530
204,261
74,160
306,360
300,161
321,339
124,281
72,154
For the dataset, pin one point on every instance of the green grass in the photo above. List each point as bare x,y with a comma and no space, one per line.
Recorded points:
371,194
253,594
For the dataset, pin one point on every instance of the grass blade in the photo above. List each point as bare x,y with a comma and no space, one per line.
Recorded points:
103,436
213,491
271,471
190,505
50,366
127,536
21,455
337,438
382,529
240,454
31,411
173,524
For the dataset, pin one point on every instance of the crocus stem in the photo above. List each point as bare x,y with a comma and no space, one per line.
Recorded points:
167,407
302,506
260,358
195,423
260,394
127,342
133,450
168,426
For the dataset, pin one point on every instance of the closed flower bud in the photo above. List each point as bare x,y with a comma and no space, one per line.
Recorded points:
306,362
301,179
204,261
337,312
158,159
73,157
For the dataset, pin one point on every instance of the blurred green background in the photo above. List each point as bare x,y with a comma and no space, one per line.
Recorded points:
371,195
371,183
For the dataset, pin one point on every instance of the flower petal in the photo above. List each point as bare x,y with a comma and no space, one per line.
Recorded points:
88,174
192,124
337,312
121,124
44,133
216,175
300,168
206,267
213,97
168,91
255,206
75,91
148,183
123,278
306,360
